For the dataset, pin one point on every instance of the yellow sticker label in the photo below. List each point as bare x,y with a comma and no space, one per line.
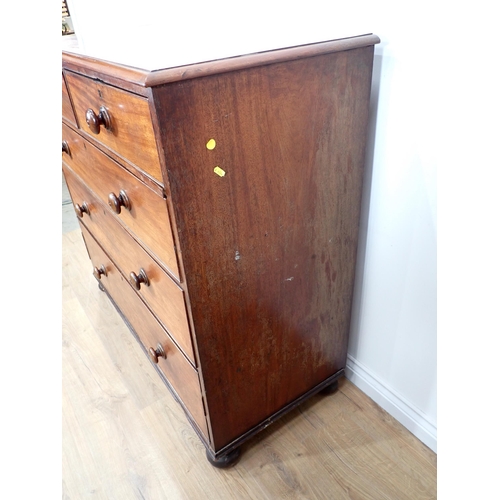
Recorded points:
211,144
219,171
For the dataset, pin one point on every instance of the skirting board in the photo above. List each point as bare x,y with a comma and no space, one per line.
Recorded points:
393,403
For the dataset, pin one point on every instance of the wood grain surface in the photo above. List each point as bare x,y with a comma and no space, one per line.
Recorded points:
131,135
137,80
182,377
67,108
148,217
268,224
163,295
125,437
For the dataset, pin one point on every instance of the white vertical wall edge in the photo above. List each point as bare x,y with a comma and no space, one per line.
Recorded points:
392,402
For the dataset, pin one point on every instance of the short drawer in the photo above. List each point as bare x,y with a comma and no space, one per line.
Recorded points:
163,295
182,377
67,108
130,130
147,218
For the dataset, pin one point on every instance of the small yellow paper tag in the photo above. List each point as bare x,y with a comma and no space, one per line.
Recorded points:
219,171
211,144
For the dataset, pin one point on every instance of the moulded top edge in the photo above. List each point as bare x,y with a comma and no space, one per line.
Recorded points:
94,66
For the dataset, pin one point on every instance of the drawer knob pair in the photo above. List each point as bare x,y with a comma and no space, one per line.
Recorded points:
117,202
159,352
95,121
82,209
136,280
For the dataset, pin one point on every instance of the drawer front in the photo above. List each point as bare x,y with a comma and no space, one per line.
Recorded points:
67,108
164,297
131,134
180,374
147,218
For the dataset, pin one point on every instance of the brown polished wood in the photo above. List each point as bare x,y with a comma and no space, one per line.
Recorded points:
99,271
136,280
94,121
262,164
67,108
131,134
147,219
82,209
163,295
136,79
125,77
269,248
117,202
159,352
181,377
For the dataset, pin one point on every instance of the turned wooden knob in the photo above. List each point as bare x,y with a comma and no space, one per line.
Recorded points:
117,202
159,352
82,209
137,279
65,148
95,121
99,271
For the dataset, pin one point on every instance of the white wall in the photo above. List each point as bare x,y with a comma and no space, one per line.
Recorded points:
392,352
393,345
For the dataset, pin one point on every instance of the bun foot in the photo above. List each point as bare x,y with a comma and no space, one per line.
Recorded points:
330,389
226,460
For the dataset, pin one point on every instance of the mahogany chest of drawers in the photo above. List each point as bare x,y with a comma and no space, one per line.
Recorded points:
219,203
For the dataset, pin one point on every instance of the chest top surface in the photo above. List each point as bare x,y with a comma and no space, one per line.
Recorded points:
158,66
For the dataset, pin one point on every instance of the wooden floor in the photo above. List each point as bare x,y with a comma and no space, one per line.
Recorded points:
124,437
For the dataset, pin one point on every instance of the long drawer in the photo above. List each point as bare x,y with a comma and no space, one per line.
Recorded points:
160,292
147,217
129,132
182,377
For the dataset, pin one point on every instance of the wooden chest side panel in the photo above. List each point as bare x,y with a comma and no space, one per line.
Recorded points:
269,246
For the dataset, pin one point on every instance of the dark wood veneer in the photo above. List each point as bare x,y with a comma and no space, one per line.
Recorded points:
269,249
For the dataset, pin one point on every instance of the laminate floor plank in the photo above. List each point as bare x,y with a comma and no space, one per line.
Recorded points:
356,432
287,467
125,437
105,437
298,446
192,473
394,429
391,439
